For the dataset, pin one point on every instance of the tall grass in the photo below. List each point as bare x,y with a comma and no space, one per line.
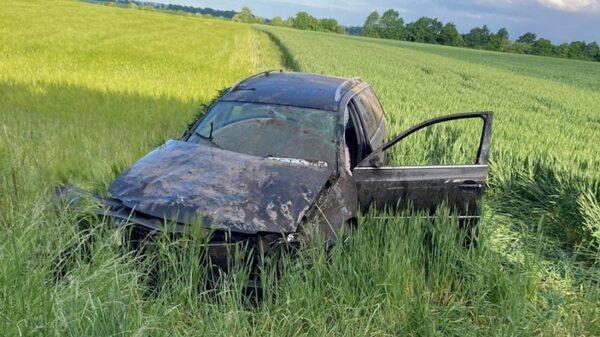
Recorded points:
85,90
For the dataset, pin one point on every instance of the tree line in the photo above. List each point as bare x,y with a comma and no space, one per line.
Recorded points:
302,20
390,25
209,12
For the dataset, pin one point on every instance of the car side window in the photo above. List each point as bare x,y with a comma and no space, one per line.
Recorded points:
363,105
375,104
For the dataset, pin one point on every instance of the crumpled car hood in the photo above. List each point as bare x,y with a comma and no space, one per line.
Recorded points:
185,182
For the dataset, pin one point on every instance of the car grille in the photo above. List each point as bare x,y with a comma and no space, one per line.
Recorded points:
220,256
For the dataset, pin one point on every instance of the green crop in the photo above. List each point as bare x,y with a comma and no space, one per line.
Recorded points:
85,90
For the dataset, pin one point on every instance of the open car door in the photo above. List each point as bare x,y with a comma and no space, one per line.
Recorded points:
424,188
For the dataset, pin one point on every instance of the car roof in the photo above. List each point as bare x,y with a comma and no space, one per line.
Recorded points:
292,89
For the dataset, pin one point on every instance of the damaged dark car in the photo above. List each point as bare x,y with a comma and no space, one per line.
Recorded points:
281,154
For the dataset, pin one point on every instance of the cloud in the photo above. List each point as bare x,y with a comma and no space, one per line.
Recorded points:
587,7
582,6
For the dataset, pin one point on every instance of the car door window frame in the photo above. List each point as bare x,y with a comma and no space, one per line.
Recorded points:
482,151
362,114
360,132
424,188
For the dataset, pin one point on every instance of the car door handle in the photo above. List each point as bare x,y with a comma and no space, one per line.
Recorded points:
470,186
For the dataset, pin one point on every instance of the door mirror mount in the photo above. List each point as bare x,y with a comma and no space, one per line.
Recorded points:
375,162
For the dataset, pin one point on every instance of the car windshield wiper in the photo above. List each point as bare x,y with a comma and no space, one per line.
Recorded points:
208,139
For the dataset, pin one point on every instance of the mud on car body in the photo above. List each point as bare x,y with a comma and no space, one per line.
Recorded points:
278,155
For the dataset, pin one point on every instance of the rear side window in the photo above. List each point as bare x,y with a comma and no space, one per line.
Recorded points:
363,105
375,105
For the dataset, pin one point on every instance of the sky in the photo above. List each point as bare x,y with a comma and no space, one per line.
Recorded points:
558,20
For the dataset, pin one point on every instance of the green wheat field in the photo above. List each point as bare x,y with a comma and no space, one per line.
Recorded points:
85,90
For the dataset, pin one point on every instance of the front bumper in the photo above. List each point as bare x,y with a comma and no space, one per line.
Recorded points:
217,255
218,251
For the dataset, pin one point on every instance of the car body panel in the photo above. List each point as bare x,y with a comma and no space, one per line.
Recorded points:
289,88
185,182
421,188
335,208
